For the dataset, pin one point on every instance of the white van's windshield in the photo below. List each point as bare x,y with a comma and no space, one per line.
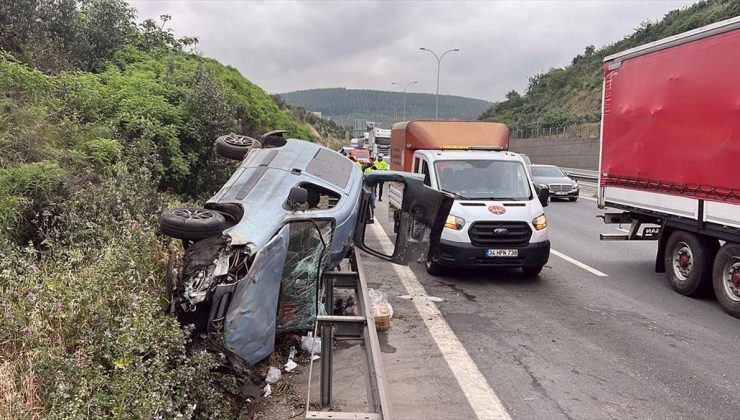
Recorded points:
484,179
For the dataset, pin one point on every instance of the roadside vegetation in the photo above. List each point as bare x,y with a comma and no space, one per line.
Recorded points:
104,123
571,95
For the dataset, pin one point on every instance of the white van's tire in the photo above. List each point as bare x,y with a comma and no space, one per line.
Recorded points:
433,268
532,271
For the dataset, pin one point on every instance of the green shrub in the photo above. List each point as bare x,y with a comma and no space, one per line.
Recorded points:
36,181
102,153
96,337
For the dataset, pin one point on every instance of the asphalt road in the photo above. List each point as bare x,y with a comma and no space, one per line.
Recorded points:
569,344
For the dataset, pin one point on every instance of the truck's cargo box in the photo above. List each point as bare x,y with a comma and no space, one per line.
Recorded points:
671,117
415,135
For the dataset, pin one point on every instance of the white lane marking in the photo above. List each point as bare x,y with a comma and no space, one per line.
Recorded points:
578,263
484,401
588,198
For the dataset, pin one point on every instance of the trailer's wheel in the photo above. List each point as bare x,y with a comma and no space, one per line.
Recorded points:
191,223
688,262
726,278
433,268
233,146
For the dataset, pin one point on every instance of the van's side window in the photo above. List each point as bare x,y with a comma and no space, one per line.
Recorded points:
425,171
416,166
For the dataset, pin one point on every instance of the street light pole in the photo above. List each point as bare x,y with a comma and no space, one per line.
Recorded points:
439,62
404,88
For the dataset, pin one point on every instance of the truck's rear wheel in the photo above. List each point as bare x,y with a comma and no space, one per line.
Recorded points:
688,262
726,278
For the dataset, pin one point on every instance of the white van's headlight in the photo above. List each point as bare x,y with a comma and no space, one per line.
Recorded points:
455,223
540,222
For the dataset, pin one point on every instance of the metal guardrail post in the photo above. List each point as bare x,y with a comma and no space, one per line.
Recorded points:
327,337
352,328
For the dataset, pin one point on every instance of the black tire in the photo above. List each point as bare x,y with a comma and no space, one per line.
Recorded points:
433,268
532,271
690,274
572,198
191,223
234,147
727,289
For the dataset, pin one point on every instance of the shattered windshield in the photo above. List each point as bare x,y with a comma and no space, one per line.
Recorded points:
484,179
307,251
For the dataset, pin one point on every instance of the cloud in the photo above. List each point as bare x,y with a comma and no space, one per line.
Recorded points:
284,46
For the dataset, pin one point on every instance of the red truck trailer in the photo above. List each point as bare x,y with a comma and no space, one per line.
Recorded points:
670,155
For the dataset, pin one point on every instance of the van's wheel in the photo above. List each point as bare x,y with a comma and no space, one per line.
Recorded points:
532,271
191,224
433,268
688,262
726,278
234,147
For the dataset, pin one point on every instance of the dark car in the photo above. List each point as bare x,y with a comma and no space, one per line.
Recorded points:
255,253
557,182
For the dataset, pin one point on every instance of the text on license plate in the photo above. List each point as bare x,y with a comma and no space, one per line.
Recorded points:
561,193
502,253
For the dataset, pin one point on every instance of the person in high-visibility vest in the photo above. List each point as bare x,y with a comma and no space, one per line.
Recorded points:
381,165
358,164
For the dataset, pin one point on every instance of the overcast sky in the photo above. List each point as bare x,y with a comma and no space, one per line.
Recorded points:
285,46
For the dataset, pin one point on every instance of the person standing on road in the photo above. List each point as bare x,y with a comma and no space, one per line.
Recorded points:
381,165
353,159
369,167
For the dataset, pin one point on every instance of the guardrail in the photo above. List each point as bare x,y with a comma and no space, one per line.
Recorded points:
584,176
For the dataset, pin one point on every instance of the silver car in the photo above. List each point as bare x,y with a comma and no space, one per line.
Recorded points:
256,251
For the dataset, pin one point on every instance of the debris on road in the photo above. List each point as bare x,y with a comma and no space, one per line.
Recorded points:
311,344
291,364
381,309
267,391
422,298
273,375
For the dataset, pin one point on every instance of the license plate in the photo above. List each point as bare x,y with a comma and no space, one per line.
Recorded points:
561,193
502,253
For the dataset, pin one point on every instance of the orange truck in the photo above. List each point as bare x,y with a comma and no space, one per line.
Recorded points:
497,219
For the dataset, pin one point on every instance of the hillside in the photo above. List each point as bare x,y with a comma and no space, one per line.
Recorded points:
105,123
345,105
572,95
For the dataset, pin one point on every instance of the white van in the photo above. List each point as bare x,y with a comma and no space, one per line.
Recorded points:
497,219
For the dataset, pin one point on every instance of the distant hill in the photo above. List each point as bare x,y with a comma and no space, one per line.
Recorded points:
344,105
572,95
